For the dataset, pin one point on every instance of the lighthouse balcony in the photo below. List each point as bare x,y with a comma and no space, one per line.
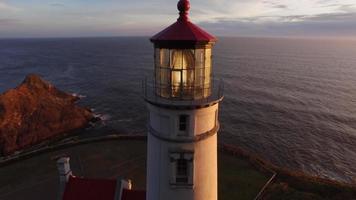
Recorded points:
183,95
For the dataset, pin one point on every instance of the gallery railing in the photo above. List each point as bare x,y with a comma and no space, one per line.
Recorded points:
186,96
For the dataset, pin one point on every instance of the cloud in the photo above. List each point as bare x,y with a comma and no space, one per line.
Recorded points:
60,5
270,9
8,21
322,25
223,17
5,7
275,5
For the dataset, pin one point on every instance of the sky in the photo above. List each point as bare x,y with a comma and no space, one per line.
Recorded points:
254,18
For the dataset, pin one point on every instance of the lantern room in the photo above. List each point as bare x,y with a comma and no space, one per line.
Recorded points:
183,59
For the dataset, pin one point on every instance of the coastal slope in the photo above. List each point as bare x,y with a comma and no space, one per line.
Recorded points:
35,111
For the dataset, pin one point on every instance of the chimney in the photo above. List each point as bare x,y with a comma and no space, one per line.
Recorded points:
63,167
120,186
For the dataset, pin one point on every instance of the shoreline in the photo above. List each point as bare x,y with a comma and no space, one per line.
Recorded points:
62,142
257,161
282,173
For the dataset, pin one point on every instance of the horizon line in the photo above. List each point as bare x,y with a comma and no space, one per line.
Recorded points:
221,36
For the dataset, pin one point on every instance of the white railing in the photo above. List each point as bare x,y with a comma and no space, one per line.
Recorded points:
150,94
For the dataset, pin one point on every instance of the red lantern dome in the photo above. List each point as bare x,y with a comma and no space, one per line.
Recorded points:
183,33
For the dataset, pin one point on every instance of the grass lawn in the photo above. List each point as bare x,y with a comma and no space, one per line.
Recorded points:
238,180
37,178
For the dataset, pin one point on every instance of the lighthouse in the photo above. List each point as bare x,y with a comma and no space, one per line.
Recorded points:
183,102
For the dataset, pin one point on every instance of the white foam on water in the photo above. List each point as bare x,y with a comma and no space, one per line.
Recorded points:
103,117
78,95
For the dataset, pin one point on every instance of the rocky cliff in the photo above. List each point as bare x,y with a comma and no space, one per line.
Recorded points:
35,111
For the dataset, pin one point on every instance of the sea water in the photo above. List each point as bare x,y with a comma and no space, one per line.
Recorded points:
292,101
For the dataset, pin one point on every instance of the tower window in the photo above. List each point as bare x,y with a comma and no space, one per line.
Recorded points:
182,171
183,122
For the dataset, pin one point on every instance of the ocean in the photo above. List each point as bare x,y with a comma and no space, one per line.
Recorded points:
292,101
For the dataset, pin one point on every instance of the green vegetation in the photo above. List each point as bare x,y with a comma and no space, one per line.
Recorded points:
238,180
291,185
297,186
37,177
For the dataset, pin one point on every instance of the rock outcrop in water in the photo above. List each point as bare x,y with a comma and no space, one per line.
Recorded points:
35,111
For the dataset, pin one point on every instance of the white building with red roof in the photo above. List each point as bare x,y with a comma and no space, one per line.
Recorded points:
77,188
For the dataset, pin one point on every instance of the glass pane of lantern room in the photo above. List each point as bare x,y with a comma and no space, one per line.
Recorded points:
199,83
207,66
164,58
199,58
165,77
176,59
199,73
207,80
176,78
188,59
188,84
176,83
182,59
157,57
188,78
157,66
158,76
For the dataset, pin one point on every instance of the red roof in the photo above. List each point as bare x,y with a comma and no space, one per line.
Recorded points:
89,189
97,189
133,195
183,29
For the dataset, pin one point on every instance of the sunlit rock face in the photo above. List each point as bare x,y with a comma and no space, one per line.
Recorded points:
35,111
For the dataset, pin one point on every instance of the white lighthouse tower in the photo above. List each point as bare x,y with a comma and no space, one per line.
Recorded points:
183,101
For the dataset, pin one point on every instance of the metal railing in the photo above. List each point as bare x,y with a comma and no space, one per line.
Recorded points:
150,93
